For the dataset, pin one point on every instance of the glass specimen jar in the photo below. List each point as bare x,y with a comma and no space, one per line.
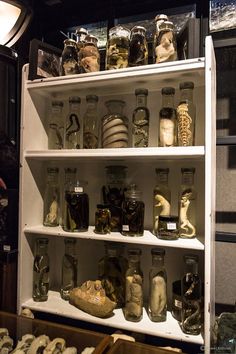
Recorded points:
69,268
113,194
115,125
133,212
167,119
191,297
102,219
91,123
89,56
73,126
69,58
56,126
111,271
168,227
70,181
133,310
161,197
158,20
187,204
138,49
51,201
186,114
157,308
80,34
165,43
140,120
41,270
117,51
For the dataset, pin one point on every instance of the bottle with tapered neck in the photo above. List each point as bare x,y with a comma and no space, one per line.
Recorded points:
51,202
41,270
73,138
167,119
140,121
91,123
69,268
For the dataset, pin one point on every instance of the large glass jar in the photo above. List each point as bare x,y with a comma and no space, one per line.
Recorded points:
167,119
133,310
187,204
69,270
69,58
115,126
138,49
73,125
191,297
117,51
165,43
133,212
41,270
113,194
56,126
111,271
157,308
186,112
91,123
89,57
161,197
158,20
140,120
51,202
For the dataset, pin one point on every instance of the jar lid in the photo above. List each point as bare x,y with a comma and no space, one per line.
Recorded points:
92,98
70,41
81,30
91,39
141,91
57,103
53,169
133,192
70,170
137,29
74,99
119,31
166,25
168,91
186,85
158,251
161,17
188,170
162,170
134,252
168,218
191,258
42,240
70,240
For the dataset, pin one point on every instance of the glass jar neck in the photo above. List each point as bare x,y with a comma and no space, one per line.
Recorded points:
74,107
187,178
70,248
52,177
191,268
162,178
186,95
141,100
91,106
158,261
41,248
167,100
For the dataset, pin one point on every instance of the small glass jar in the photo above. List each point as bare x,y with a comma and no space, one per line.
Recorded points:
191,320
111,271
80,33
69,58
117,51
161,197
91,123
56,126
102,219
41,270
89,56
138,49
165,43
69,268
186,115
115,132
133,310
168,227
51,202
133,213
140,120
167,119
73,138
157,308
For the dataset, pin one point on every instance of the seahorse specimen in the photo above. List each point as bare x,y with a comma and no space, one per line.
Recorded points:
184,122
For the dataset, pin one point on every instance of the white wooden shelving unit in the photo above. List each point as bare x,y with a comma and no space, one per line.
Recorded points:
141,164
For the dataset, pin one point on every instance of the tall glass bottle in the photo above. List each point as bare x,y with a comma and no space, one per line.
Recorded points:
140,120
138,49
91,123
167,118
161,197
41,270
157,308
73,125
186,115
158,20
56,126
133,310
51,202
191,297
187,204
133,212
111,271
69,268
70,181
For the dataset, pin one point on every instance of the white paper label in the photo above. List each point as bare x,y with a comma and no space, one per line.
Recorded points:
125,227
171,226
78,189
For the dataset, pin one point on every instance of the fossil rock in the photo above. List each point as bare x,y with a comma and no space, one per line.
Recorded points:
91,298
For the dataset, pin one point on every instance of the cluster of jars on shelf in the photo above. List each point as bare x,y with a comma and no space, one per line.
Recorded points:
121,208
176,125
125,48
123,282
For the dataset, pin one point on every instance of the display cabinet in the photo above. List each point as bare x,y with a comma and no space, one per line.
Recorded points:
141,164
